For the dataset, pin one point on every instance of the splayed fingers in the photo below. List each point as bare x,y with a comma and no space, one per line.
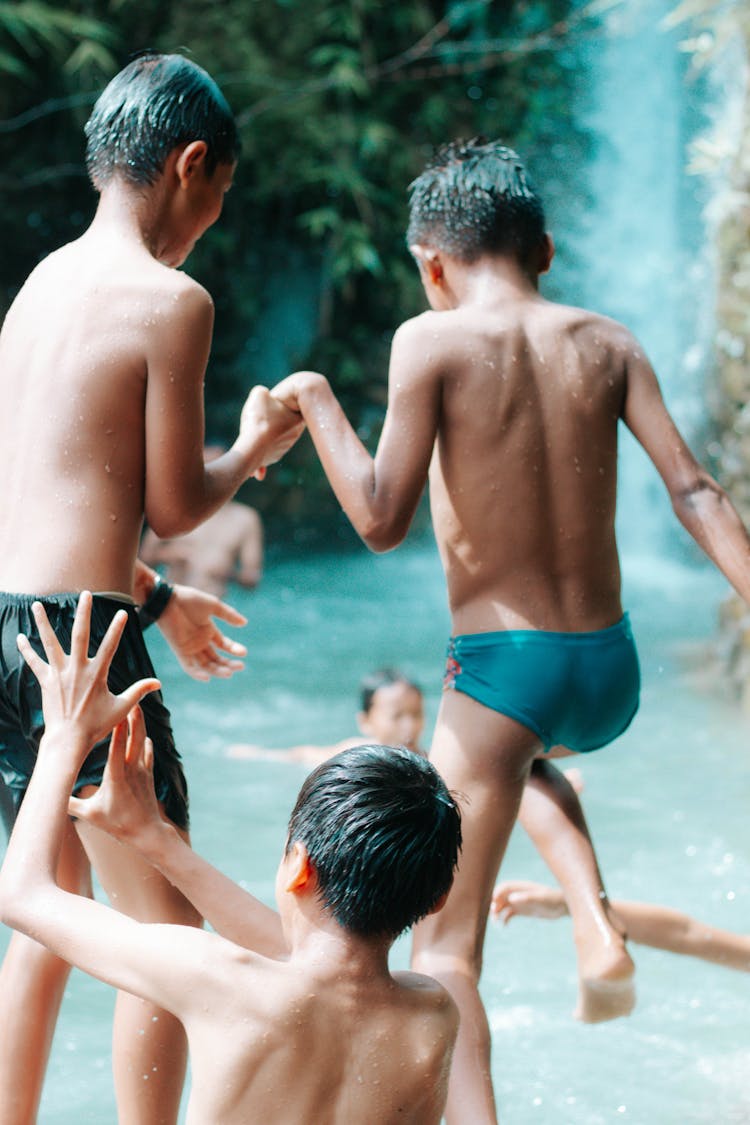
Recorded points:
75,693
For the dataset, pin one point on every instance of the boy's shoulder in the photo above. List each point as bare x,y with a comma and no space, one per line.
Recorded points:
90,263
427,994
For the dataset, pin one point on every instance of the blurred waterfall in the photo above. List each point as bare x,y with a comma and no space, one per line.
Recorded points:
638,243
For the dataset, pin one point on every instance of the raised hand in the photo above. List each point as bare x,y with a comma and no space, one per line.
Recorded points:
125,803
197,641
75,696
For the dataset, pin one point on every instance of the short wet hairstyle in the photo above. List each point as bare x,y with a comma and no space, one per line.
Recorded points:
383,834
383,677
154,104
474,197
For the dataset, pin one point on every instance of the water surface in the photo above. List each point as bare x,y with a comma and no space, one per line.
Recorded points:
668,806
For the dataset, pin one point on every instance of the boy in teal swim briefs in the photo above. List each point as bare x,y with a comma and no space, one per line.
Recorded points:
511,404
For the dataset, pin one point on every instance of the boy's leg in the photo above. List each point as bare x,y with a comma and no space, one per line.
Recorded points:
484,759
552,815
32,983
149,1044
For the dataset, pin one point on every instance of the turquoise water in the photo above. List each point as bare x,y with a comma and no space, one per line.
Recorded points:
667,806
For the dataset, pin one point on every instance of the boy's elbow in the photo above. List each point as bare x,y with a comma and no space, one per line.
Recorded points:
696,495
382,536
14,903
170,523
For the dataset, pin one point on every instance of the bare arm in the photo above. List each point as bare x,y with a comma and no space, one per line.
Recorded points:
125,806
182,491
79,709
308,754
657,926
700,504
380,494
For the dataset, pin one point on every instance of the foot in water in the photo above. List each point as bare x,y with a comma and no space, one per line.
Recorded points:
606,977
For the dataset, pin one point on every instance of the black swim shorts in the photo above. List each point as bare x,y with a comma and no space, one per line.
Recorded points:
21,719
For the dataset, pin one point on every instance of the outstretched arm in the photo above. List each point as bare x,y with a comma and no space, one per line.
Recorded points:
380,494
657,926
701,505
152,961
126,807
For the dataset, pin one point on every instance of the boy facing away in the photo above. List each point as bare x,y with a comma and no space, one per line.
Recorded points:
512,404
291,1018
102,361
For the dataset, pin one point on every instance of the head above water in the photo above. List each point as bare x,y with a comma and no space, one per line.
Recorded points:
382,834
391,709
475,198
156,103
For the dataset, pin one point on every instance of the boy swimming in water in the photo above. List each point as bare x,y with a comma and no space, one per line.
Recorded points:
292,1018
391,713
512,405
102,361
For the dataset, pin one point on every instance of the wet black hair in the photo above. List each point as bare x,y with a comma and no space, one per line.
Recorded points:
383,834
154,104
475,197
374,681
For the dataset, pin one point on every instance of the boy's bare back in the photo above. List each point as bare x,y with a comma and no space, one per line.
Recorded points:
97,337
523,481
332,1044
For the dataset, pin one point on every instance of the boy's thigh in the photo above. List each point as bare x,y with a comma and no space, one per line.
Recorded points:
132,885
484,758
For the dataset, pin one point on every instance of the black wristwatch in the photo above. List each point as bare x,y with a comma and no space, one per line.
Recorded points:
155,603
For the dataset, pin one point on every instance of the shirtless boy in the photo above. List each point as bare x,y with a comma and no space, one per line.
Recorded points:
102,361
512,404
291,1018
391,713
227,547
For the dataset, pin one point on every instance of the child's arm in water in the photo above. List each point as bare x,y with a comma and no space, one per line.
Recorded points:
380,494
155,962
308,755
700,504
657,926
125,806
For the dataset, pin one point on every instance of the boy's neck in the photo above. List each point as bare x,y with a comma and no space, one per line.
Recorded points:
489,281
133,215
325,947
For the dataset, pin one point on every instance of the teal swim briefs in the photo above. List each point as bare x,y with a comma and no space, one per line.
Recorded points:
578,690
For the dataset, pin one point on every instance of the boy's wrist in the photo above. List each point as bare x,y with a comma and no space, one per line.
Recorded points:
156,602
153,841
65,745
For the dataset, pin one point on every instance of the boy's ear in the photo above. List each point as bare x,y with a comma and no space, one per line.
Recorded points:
546,253
363,723
190,160
299,869
440,903
429,262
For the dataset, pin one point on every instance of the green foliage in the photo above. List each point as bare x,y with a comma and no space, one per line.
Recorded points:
30,31
339,103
